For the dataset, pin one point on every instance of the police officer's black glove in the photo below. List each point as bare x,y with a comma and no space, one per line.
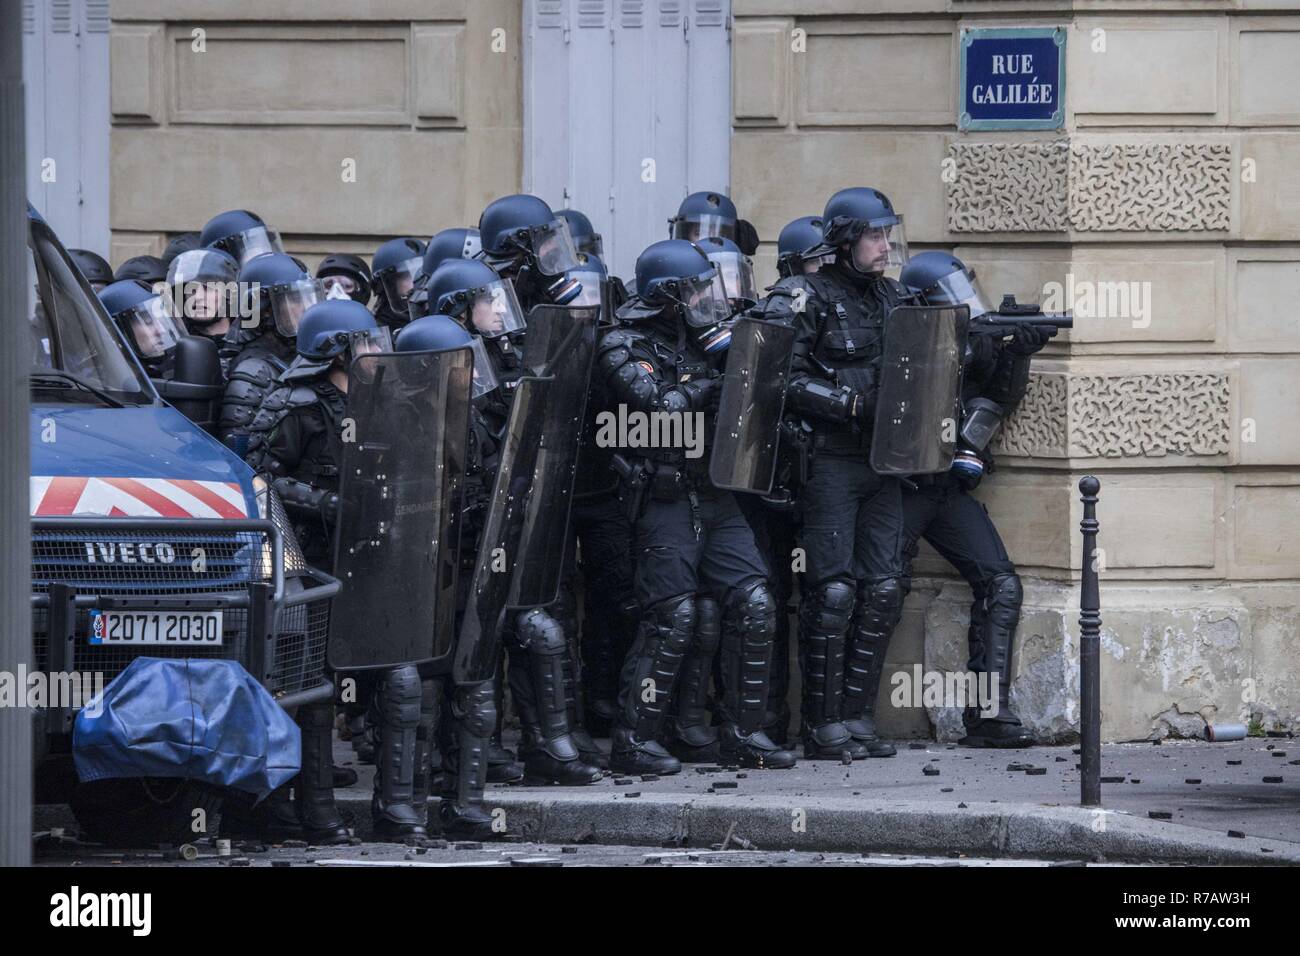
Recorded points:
1028,339
329,508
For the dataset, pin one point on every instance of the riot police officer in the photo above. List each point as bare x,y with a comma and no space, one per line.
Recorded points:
456,721
852,517
485,304
276,291
691,538
706,213
797,245
458,243
202,286
343,275
585,237
146,322
940,509
242,234
295,441
394,266
94,267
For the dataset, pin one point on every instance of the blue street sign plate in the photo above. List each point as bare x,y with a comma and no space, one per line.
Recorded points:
1012,78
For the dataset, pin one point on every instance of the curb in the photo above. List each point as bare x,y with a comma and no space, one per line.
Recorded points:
849,825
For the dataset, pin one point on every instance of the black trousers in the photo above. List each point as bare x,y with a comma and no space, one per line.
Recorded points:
852,522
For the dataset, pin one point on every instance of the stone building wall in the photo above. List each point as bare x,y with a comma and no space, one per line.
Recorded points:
1176,178
342,123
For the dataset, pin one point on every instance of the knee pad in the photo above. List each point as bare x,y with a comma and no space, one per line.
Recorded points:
676,613
1003,595
831,607
880,604
540,633
754,608
476,708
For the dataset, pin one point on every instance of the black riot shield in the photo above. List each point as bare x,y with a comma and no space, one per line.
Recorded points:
521,550
918,407
743,456
402,471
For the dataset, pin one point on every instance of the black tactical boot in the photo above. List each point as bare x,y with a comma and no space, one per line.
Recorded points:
645,691
501,763
823,617
537,688
688,734
991,660
461,814
878,609
394,816
321,823
746,662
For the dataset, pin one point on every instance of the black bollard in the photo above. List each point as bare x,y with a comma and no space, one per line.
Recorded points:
1090,652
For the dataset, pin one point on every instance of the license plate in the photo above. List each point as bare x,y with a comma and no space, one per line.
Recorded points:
176,628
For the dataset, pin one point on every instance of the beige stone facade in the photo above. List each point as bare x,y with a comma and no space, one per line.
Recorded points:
1173,191
1175,179
342,123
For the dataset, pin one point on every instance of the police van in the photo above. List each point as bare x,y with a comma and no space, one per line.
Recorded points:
151,543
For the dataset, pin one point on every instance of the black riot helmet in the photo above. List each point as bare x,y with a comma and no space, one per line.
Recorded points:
796,247
438,333
181,242
202,284
346,276
940,278
675,276
94,267
148,269
521,229
585,237
241,233
861,226
706,214
482,300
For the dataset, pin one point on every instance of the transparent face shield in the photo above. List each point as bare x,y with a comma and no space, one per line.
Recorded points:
289,302
152,328
737,273
703,300
878,248
589,293
494,311
591,245
251,243
365,342
485,378
553,248
202,286
702,226
400,280
959,288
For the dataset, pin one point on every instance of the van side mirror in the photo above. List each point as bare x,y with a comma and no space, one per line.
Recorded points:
197,385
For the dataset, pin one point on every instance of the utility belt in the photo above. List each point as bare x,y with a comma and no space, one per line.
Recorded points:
842,441
646,480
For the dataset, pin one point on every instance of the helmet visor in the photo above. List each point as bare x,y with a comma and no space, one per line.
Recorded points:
737,272
703,300
958,288
400,280
202,265
494,310
553,248
878,248
701,226
152,328
589,293
591,245
251,243
485,377
290,301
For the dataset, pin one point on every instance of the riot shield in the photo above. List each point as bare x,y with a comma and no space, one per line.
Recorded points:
918,407
743,457
521,550
402,471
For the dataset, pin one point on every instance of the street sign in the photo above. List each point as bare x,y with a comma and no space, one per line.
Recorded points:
1012,78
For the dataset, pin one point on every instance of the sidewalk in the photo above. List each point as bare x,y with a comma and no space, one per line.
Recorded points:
974,805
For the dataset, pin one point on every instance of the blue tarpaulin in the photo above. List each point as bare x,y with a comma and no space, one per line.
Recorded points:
205,720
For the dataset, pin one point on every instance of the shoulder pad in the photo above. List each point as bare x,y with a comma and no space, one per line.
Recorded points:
258,369
634,310
780,303
617,339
